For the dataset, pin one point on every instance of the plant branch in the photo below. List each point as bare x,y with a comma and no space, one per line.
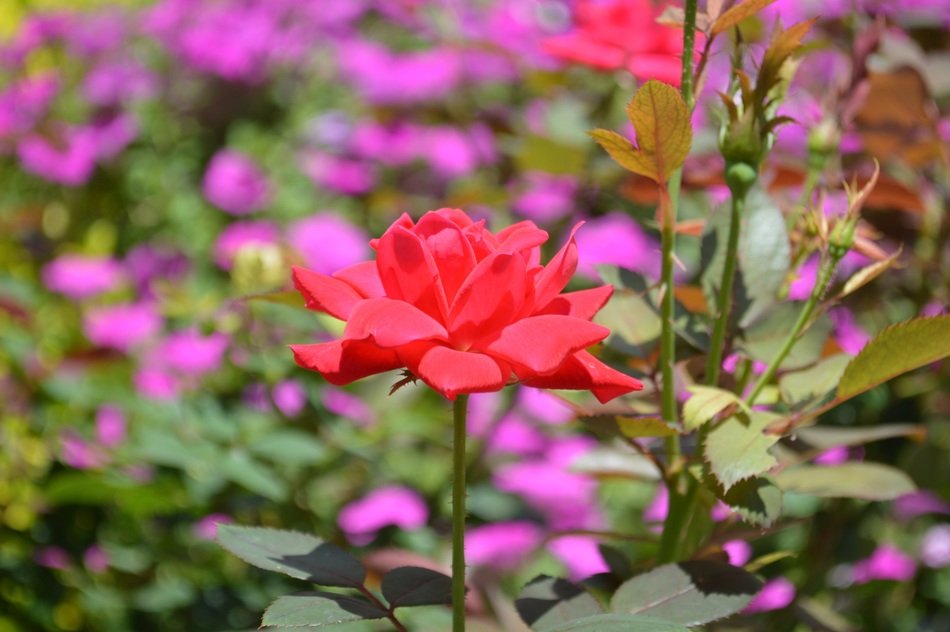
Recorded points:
379,604
460,410
724,298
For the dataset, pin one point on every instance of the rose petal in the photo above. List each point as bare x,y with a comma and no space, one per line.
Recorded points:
409,273
453,372
584,372
541,344
391,323
489,299
558,272
449,248
364,277
582,304
345,361
323,293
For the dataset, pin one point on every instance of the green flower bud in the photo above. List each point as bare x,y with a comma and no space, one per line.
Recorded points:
740,177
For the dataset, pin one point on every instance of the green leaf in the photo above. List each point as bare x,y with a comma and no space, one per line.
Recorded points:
738,448
763,339
688,593
868,481
896,350
290,447
618,623
705,403
764,253
661,120
814,382
320,610
831,437
293,553
547,602
638,427
630,317
757,500
767,560
415,586
239,467
609,462
867,274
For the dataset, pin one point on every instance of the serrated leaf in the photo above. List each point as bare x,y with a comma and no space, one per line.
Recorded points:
416,586
757,500
292,553
688,593
631,318
896,350
321,610
705,403
618,623
814,382
639,427
661,119
738,448
868,481
826,437
547,602
624,153
737,14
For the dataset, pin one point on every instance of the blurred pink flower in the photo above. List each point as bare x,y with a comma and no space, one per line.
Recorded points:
156,384
656,511
580,554
190,353
384,77
240,235
566,499
513,435
342,403
545,198
738,551
886,563
116,82
543,406
935,546
347,176
851,338
234,183
801,288
52,557
289,397
122,327
24,103
919,503
207,527
387,506
95,559
616,239
776,594
81,454
110,426
502,546
79,276
327,242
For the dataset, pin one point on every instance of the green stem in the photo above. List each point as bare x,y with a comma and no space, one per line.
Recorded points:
689,41
825,272
460,411
724,299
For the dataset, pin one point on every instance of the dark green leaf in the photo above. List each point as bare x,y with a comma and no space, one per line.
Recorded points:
869,481
548,602
240,468
831,437
757,500
415,586
738,448
688,593
814,382
896,350
293,553
320,610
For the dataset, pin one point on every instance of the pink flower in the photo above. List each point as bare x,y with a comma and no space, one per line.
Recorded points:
78,453
580,554
53,557
935,546
341,403
656,511
96,559
543,406
616,239
156,384
502,546
738,551
886,563
191,354
328,242
342,175
110,426
513,435
545,198
289,397
235,184
387,506
79,276
122,327
919,503
241,235
777,593
207,527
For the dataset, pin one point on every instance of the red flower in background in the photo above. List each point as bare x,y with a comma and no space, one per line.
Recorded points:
622,34
464,309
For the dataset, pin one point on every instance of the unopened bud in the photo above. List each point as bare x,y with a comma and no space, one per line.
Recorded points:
740,177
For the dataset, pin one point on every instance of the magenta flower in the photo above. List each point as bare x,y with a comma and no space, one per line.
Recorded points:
387,506
156,384
95,559
122,327
235,184
545,198
887,563
935,546
79,276
328,242
289,397
543,406
580,554
191,354
351,407
69,160
616,239
207,527
240,235
78,453
341,175
52,557
738,551
502,546
919,503
110,426
513,435
777,593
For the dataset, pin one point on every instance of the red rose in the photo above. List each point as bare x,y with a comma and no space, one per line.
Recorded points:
464,309
622,34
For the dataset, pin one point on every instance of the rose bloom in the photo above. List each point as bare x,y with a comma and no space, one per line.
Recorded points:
464,309
621,34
